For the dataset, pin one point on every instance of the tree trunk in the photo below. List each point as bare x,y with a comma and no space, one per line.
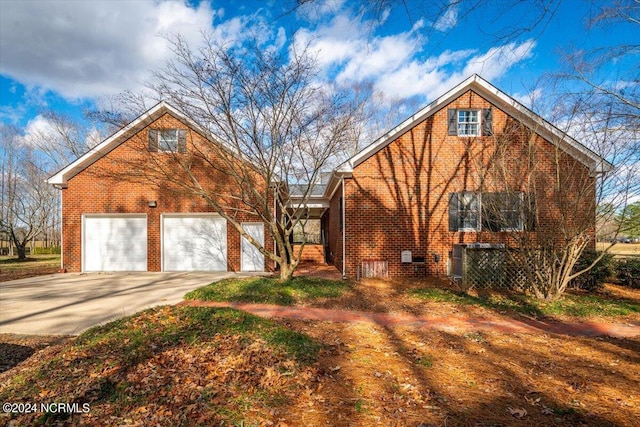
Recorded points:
22,251
286,271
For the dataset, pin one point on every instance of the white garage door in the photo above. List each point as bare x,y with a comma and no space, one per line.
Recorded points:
194,243
114,243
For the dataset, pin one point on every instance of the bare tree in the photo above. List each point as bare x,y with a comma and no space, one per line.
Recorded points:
542,200
271,128
27,202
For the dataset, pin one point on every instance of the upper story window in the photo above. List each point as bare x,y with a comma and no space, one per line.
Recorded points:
470,122
168,140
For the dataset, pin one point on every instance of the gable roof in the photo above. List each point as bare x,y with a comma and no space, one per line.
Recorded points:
96,153
501,100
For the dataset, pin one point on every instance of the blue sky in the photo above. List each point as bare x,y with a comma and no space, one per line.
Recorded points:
70,56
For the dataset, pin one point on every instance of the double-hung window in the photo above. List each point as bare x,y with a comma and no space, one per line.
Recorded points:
464,212
168,140
468,123
506,211
502,211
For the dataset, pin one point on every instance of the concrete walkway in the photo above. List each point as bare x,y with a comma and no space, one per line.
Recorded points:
453,324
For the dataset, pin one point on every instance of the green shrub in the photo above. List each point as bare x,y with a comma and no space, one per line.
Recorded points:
593,279
628,272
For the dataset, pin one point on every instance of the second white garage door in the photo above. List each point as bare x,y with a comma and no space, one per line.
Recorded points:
194,243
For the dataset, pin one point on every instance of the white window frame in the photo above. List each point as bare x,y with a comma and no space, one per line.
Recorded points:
520,216
466,124
478,210
166,143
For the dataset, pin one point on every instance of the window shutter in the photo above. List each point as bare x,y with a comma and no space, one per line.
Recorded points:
454,220
153,140
487,122
453,121
182,140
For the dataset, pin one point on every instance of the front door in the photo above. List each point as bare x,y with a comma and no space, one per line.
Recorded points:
252,259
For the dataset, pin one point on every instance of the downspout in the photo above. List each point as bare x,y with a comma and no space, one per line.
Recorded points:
275,219
61,235
344,233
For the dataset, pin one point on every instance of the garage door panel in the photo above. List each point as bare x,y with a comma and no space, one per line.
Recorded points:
115,243
197,243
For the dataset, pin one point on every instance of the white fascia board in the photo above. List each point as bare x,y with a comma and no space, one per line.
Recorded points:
544,128
320,204
335,180
409,123
500,99
61,177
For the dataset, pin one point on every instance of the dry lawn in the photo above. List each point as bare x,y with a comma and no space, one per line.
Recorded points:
34,265
364,374
621,249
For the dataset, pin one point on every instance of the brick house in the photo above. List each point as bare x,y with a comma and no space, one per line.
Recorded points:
411,195
120,212
428,184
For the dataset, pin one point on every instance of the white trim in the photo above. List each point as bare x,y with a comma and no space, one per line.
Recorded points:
502,101
61,177
62,237
298,204
344,233
242,239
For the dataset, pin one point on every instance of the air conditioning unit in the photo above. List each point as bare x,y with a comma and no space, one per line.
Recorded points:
458,256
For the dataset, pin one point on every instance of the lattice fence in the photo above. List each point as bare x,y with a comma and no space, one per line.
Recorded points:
492,268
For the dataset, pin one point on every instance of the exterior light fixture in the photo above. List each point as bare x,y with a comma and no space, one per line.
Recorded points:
152,203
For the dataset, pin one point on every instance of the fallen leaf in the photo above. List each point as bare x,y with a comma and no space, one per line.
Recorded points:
547,411
518,412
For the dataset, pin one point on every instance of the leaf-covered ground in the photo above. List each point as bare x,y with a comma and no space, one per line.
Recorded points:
173,366
35,265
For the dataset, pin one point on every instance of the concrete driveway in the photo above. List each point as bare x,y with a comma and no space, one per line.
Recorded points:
67,304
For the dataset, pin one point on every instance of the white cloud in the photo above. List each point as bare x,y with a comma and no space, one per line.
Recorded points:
315,11
448,20
396,64
37,129
497,60
86,49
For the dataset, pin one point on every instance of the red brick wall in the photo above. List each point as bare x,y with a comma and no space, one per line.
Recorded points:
334,231
398,198
128,177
